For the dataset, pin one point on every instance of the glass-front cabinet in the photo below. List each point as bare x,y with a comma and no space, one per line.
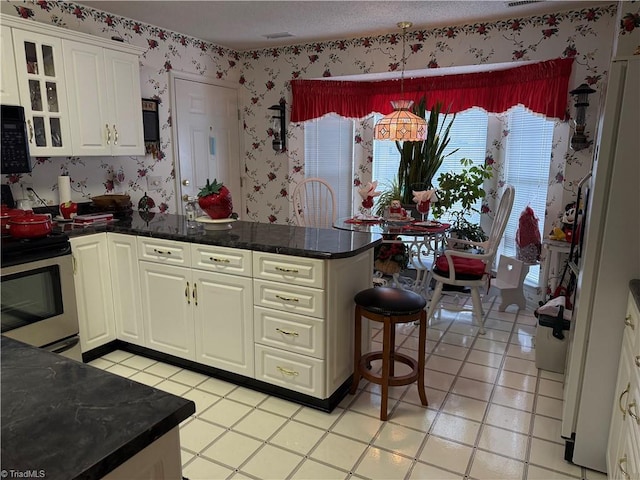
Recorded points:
41,80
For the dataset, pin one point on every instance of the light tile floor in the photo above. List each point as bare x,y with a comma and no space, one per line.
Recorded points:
492,415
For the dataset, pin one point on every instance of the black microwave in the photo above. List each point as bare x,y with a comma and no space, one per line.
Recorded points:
15,143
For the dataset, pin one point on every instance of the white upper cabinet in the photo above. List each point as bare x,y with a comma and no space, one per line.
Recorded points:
41,81
104,100
81,93
9,93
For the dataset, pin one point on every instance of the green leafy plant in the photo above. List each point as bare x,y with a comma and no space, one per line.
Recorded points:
391,192
458,193
419,161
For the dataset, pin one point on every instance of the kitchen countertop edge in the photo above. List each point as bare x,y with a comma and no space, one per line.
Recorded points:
156,413
318,243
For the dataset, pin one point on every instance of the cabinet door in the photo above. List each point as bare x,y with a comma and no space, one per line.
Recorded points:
224,321
41,81
125,102
84,65
125,283
9,94
93,290
167,309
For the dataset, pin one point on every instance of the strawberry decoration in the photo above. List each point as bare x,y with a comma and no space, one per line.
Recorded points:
215,199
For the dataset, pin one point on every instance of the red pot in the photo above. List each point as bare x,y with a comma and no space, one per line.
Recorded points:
6,214
30,225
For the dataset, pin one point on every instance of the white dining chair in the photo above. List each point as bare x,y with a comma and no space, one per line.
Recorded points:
314,203
462,268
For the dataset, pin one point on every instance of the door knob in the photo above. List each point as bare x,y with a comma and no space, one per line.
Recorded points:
185,183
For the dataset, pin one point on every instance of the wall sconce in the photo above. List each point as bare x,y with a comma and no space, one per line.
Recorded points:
579,139
279,128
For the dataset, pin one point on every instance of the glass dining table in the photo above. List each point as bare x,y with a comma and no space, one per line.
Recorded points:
422,239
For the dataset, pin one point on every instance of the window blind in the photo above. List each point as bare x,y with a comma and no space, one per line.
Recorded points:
528,154
328,154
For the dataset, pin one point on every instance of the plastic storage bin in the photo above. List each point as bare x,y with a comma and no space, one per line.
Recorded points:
551,343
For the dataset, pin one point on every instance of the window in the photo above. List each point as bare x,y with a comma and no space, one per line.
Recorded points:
528,158
328,154
468,134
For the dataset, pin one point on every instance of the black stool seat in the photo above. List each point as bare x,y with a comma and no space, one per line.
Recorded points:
389,306
390,301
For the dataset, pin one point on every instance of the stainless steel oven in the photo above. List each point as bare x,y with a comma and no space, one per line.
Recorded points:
38,295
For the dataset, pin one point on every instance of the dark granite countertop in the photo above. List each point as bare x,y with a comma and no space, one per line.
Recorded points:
263,237
71,420
634,287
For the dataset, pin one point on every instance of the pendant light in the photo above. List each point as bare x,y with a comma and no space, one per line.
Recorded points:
401,124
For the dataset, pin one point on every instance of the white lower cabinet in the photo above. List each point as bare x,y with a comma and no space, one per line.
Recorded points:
223,315
303,319
167,309
202,311
125,283
94,296
623,449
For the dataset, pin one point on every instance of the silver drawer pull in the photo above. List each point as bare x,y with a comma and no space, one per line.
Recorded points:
628,322
637,360
633,414
286,371
287,299
285,332
624,392
219,260
622,461
286,270
162,252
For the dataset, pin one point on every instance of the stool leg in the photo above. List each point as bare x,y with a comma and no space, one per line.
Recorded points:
386,359
392,348
357,350
422,347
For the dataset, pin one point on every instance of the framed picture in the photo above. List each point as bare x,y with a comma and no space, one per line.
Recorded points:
150,120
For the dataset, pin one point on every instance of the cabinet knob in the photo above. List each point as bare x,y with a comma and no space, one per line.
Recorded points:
115,138
185,198
624,392
632,409
185,183
637,360
628,322
108,134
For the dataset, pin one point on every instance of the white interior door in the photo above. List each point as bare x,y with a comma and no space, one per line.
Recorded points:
208,140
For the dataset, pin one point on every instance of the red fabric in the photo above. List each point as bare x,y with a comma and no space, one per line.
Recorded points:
528,242
542,87
462,265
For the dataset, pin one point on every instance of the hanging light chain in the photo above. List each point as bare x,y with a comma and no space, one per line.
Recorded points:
403,26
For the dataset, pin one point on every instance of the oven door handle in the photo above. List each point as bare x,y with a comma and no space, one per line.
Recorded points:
64,345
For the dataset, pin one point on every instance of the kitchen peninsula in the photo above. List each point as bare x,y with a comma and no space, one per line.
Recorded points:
65,420
266,306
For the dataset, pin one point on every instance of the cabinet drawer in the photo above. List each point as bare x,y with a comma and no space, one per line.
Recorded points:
288,331
289,298
221,259
167,252
287,269
290,370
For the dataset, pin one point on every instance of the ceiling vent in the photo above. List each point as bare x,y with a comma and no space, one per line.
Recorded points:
278,35
521,2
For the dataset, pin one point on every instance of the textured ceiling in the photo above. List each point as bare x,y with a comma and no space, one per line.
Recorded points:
242,25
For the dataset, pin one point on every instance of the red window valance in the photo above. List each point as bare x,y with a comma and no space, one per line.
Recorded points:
542,87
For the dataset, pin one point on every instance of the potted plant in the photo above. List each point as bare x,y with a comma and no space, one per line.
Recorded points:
419,161
462,190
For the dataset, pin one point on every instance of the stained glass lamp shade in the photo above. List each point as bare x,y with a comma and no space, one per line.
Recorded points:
401,124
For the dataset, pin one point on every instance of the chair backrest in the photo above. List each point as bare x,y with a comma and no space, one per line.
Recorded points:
314,203
500,220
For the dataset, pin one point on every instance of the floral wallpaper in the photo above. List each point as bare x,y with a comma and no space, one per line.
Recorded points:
263,79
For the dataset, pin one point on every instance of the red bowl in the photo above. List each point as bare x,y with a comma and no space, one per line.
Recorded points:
30,225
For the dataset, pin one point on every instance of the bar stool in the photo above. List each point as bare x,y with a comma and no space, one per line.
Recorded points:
389,306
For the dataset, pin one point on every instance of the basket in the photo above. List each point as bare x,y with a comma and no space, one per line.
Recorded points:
388,267
111,200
